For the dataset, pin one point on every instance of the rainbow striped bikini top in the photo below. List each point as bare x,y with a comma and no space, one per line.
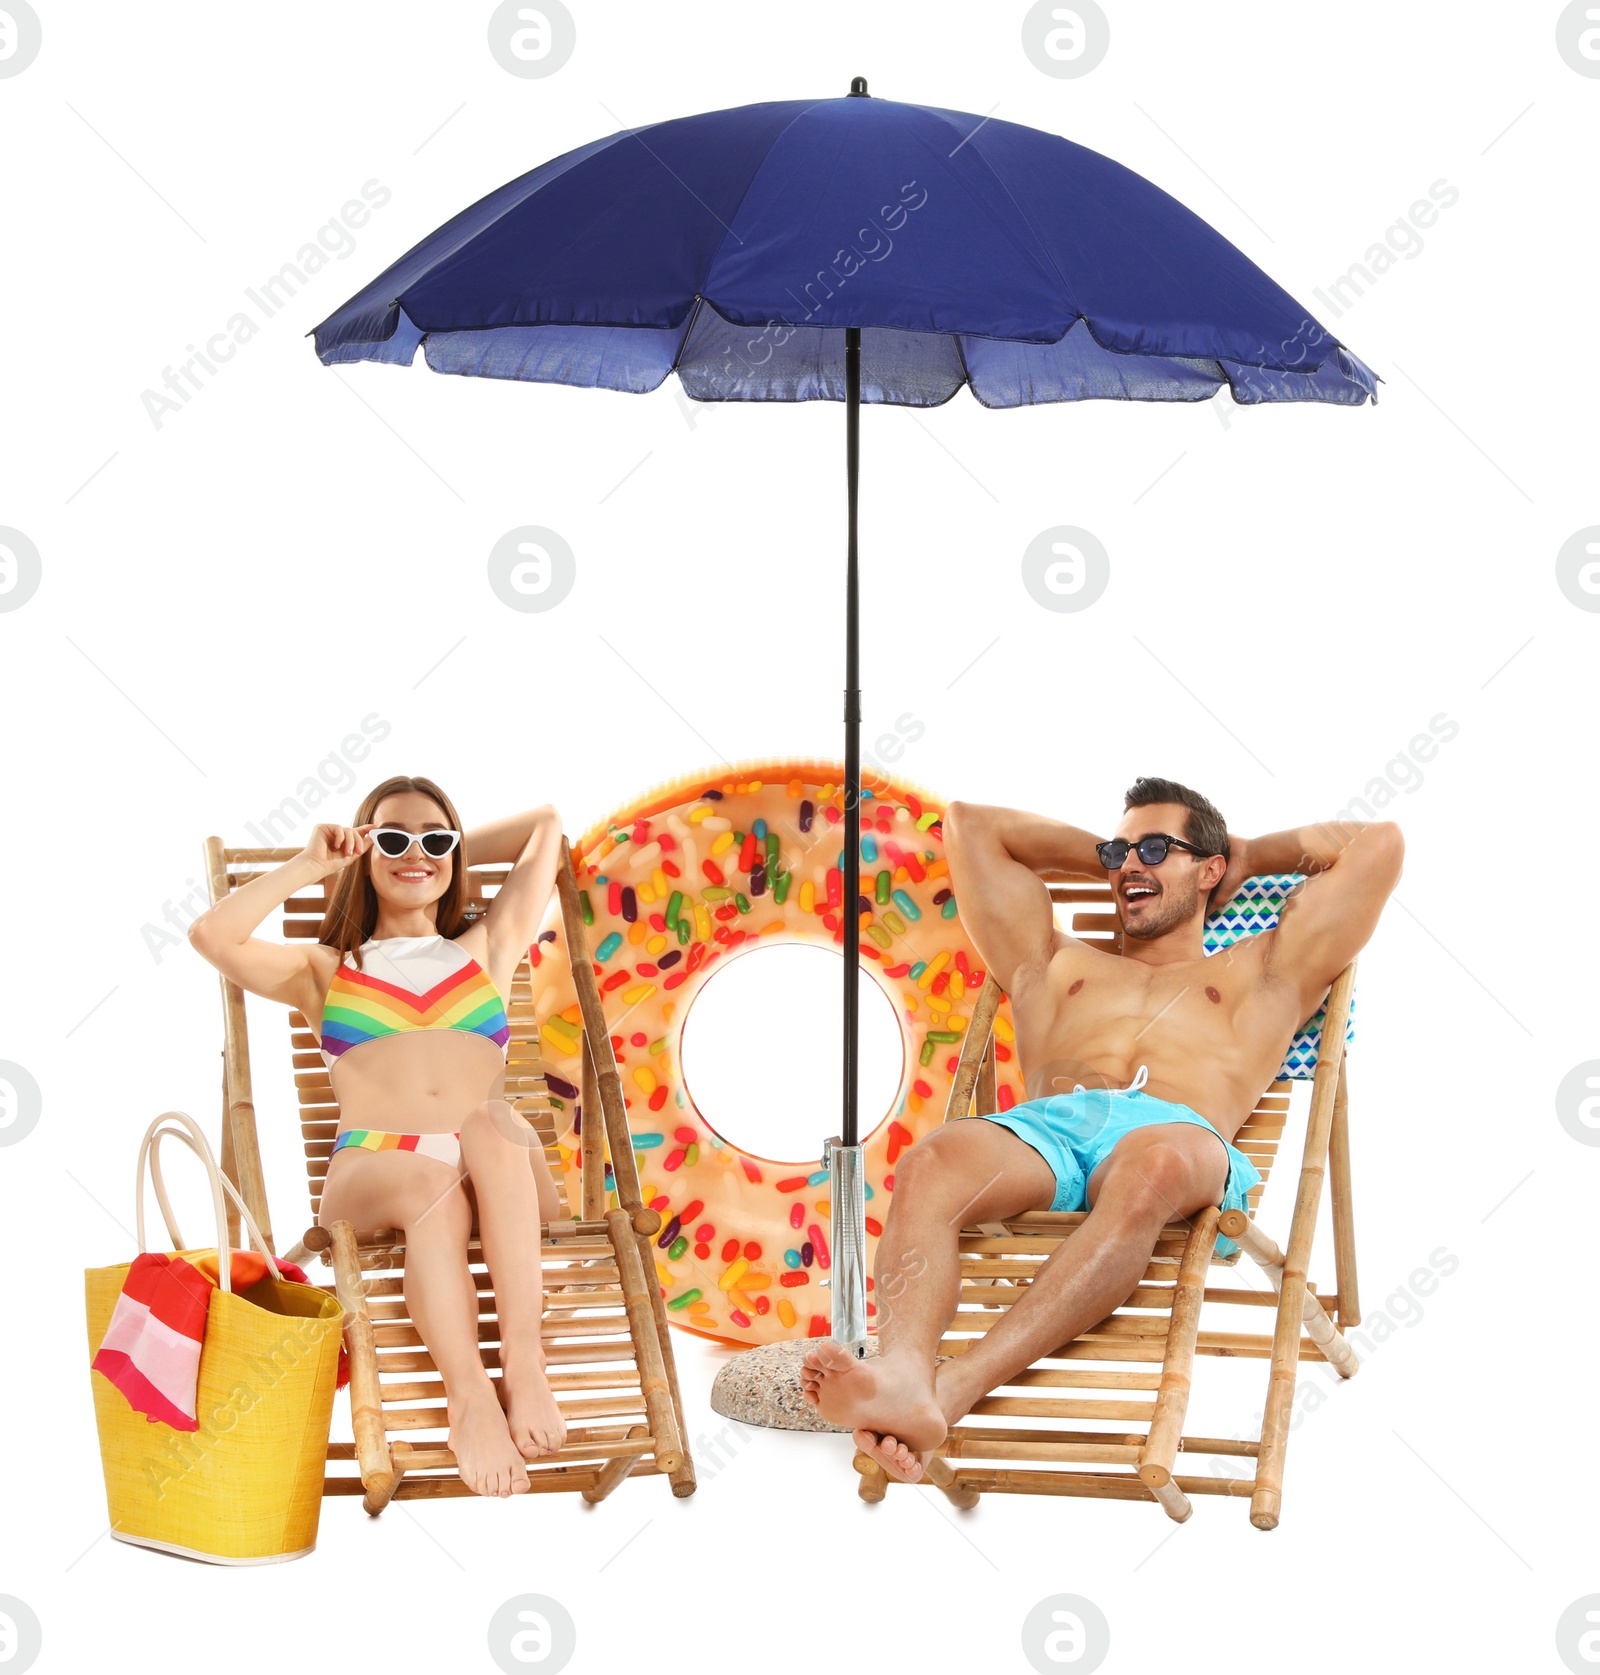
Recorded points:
408,983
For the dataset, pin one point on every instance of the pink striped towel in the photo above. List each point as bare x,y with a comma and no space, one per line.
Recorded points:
151,1350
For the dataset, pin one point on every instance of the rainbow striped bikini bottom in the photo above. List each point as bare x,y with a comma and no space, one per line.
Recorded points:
445,1147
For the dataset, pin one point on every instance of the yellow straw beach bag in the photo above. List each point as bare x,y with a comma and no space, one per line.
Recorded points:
244,1486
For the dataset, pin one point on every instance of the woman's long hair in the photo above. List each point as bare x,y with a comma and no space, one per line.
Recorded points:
352,913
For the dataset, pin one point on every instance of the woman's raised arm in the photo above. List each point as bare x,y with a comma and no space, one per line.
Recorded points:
532,843
225,934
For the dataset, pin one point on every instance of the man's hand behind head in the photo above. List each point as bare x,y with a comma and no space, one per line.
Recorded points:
1239,869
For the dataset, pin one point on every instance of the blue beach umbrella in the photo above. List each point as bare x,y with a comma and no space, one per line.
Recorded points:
857,250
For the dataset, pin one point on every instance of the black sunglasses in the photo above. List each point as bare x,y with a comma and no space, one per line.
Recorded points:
1151,849
395,843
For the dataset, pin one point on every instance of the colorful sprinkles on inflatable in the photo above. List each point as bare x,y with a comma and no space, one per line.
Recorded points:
699,873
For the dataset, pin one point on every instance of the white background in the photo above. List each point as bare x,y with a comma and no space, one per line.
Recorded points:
1294,593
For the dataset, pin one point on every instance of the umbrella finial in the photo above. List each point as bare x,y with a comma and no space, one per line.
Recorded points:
858,88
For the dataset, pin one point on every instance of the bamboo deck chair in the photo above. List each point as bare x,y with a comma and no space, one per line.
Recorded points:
605,1333
1131,1373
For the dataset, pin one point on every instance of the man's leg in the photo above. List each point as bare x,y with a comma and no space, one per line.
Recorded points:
1154,1175
964,1172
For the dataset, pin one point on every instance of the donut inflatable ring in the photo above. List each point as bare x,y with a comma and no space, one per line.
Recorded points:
696,874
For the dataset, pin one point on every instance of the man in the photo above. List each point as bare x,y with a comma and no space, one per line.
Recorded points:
1139,1069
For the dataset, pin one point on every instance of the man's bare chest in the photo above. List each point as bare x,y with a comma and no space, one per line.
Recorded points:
1088,996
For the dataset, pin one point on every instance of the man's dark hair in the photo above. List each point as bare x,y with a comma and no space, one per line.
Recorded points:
1205,827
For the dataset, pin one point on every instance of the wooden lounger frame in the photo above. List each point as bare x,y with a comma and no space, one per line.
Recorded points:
1133,1370
605,1330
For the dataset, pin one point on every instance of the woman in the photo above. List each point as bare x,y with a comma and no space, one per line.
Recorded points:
407,999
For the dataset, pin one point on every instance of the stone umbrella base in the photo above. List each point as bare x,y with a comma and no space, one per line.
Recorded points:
761,1386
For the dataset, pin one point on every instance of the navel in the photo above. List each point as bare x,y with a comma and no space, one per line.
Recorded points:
1075,987
1213,996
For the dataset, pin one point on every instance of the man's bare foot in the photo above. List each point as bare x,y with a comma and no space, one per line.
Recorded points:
536,1424
887,1400
952,1392
486,1457
897,1458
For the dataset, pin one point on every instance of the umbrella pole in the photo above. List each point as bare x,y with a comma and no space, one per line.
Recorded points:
852,733
848,1200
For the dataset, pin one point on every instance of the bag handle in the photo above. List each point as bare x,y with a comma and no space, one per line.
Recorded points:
193,1136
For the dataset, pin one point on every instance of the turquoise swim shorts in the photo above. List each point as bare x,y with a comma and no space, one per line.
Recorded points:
1075,1133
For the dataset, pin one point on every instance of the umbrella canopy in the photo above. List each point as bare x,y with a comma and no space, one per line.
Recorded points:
735,248
850,249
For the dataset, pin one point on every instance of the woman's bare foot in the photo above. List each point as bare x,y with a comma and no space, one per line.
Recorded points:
486,1457
536,1424
888,1400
